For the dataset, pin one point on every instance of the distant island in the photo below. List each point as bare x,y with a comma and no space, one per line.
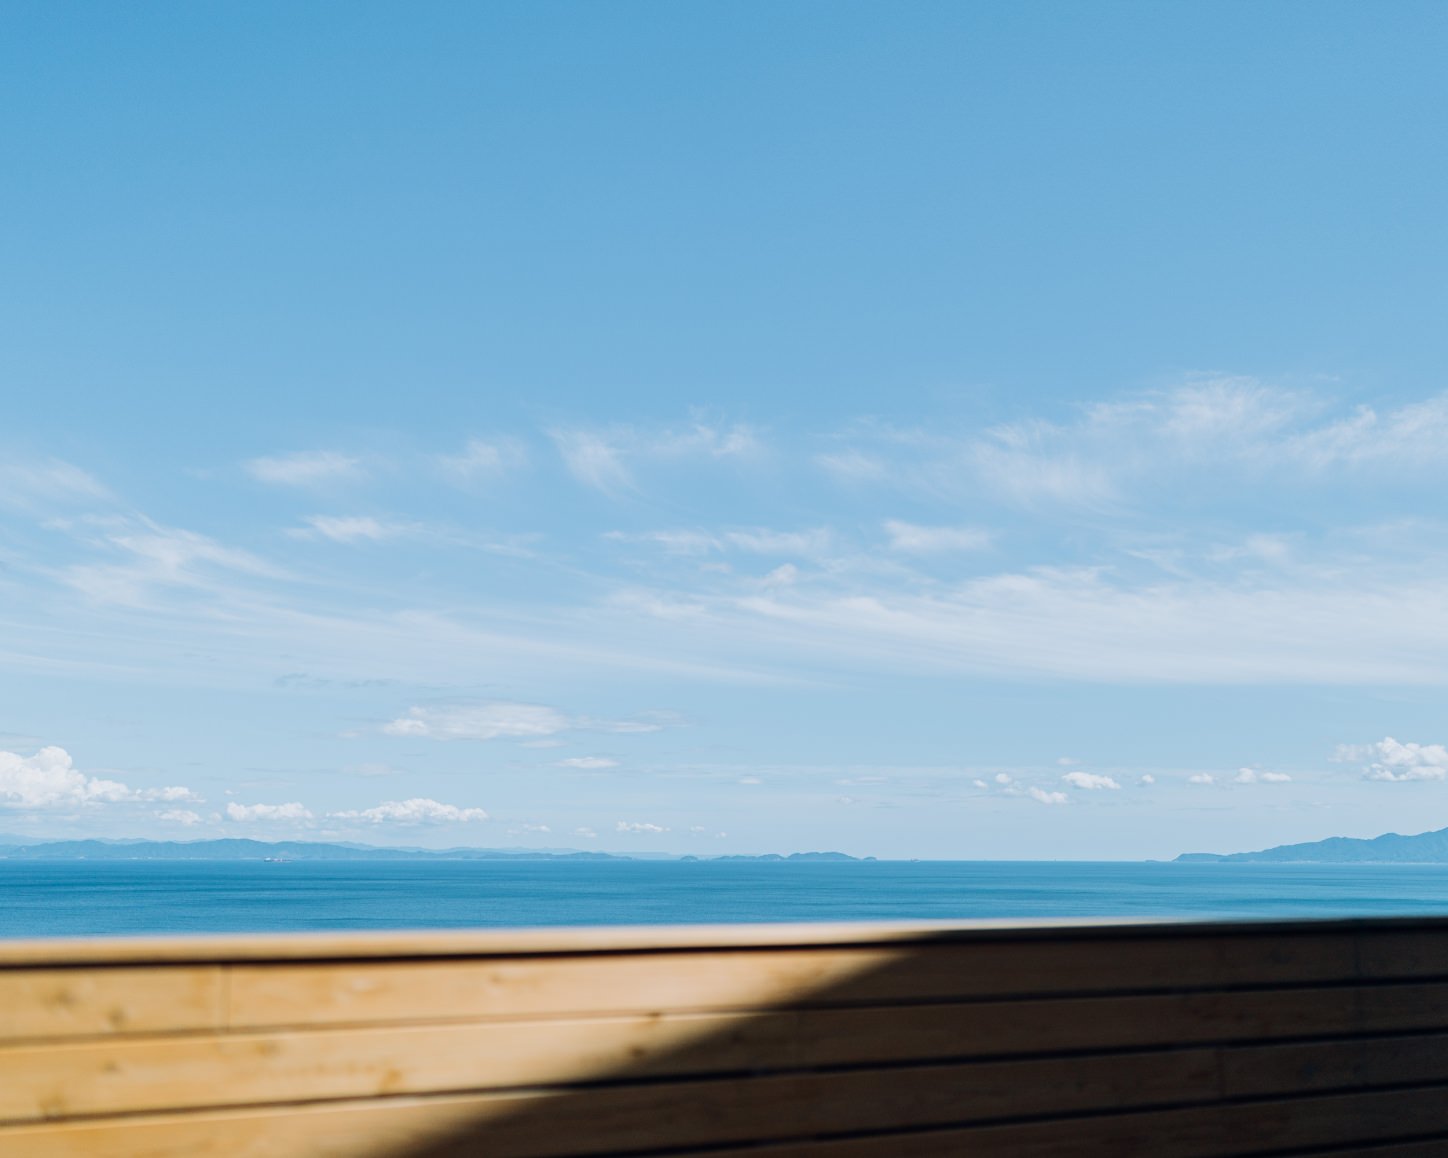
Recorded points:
1390,848
289,850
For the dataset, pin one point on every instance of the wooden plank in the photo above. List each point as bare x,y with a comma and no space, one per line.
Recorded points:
1345,1065
468,1126
42,1004
1352,1124
1396,953
108,951
46,1003
347,993
609,1120
150,1074
111,951
46,1080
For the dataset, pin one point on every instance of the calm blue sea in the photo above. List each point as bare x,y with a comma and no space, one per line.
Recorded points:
80,898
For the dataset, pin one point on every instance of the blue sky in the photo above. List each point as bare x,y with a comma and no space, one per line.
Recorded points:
938,430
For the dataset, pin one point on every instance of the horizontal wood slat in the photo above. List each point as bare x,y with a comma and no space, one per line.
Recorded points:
467,1126
281,995
38,1003
1333,1127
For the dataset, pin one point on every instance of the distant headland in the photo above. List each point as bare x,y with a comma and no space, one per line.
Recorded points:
1390,848
296,850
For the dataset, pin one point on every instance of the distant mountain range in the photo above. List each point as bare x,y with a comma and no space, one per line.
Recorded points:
1390,848
242,849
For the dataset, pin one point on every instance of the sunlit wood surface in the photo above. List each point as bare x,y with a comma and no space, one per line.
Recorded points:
811,1041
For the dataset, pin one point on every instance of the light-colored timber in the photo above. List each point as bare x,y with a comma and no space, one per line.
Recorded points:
817,1041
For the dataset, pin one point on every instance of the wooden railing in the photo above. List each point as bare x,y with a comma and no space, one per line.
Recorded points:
772,1042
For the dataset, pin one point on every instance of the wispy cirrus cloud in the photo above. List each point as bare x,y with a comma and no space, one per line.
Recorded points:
155,557
807,543
483,460
35,485
486,721
913,539
501,720
308,468
603,458
349,528
1363,623
1238,427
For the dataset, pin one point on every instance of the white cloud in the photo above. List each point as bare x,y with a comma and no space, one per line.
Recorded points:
1029,476
1101,456
594,459
1147,778
1044,797
917,540
1003,778
157,556
587,762
757,780
763,541
1089,780
305,468
585,831
756,540
650,722
481,459
179,816
1390,760
1201,778
490,721
1411,435
980,784
703,438
853,466
49,779
349,528
1252,776
418,810
600,458
1353,625
47,483
638,827
247,813
674,542
170,795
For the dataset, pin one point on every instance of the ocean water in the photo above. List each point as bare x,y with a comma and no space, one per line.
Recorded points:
81,898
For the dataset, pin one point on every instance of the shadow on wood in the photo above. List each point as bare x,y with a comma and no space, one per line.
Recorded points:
773,1042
